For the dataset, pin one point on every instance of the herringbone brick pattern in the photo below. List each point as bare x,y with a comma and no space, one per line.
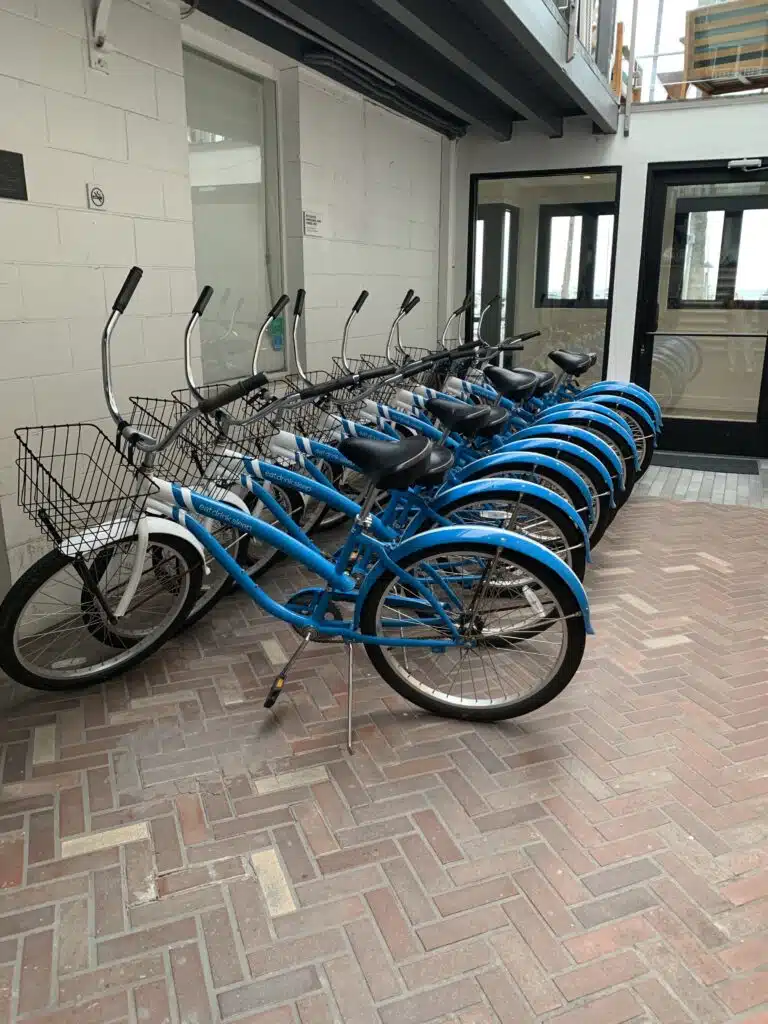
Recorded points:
171,852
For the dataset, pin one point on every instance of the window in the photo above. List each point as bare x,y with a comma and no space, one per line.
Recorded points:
575,255
718,254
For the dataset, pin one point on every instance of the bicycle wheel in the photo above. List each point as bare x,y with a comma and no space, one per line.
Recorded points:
522,633
217,582
602,513
526,514
620,445
547,476
55,633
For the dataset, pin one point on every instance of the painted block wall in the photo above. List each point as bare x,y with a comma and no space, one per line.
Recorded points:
374,178
669,132
61,263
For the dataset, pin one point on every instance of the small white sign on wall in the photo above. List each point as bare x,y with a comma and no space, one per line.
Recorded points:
313,222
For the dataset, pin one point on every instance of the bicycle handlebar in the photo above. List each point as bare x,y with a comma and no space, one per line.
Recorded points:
360,301
408,296
318,390
232,393
202,301
298,305
125,294
278,307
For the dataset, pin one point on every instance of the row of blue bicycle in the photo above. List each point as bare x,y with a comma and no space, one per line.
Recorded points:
443,505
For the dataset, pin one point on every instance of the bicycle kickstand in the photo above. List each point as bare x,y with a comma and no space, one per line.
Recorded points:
350,747
277,686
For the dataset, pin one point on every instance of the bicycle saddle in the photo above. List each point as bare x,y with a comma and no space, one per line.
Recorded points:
440,461
513,384
574,363
544,381
390,465
458,416
496,421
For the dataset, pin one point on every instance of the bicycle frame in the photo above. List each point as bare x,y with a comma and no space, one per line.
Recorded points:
341,586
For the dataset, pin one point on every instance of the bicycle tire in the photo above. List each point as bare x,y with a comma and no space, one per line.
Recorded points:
20,596
572,536
597,486
575,632
619,443
547,475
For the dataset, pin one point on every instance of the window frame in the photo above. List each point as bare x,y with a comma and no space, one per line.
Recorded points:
734,208
589,212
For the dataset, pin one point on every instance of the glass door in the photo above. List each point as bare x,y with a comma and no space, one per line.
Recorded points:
703,324
235,213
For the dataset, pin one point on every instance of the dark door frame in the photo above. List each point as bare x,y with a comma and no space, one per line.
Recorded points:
721,436
475,179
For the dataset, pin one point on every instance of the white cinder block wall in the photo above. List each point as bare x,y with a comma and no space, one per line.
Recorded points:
60,263
374,178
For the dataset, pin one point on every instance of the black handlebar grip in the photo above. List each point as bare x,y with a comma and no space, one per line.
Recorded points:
279,306
513,346
325,389
298,305
379,371
496,298
202,300
408,296
528,335
360,301
125,294
233,392
465,350
411,304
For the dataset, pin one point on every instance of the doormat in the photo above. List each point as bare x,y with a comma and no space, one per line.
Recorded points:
707,463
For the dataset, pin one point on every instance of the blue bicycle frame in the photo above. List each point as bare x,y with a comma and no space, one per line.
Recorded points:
382,552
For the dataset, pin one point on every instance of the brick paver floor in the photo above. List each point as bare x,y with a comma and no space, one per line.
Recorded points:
169,851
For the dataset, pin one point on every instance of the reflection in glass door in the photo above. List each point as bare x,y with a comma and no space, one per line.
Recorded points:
544,244
703,327
235,211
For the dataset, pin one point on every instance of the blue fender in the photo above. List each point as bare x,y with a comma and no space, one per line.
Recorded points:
598,416
619,402
555,445
502,460
505,485
592,405
626,387
493,538
573,434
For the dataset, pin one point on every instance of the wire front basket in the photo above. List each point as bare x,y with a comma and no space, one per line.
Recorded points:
77,486
186,459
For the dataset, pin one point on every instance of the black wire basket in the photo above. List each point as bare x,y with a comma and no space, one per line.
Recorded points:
187,459
78,487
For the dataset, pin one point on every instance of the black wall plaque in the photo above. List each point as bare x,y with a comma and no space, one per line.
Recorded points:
13,182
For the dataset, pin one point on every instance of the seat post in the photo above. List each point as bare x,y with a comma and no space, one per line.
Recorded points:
366,505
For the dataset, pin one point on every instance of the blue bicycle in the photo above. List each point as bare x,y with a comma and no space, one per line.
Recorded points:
465,621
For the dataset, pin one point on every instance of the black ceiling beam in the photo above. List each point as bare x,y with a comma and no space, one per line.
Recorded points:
542,35
396,55
451,34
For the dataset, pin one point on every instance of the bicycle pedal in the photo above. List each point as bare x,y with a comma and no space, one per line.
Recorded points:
274,691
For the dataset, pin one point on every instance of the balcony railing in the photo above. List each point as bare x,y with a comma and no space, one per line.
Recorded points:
691,49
